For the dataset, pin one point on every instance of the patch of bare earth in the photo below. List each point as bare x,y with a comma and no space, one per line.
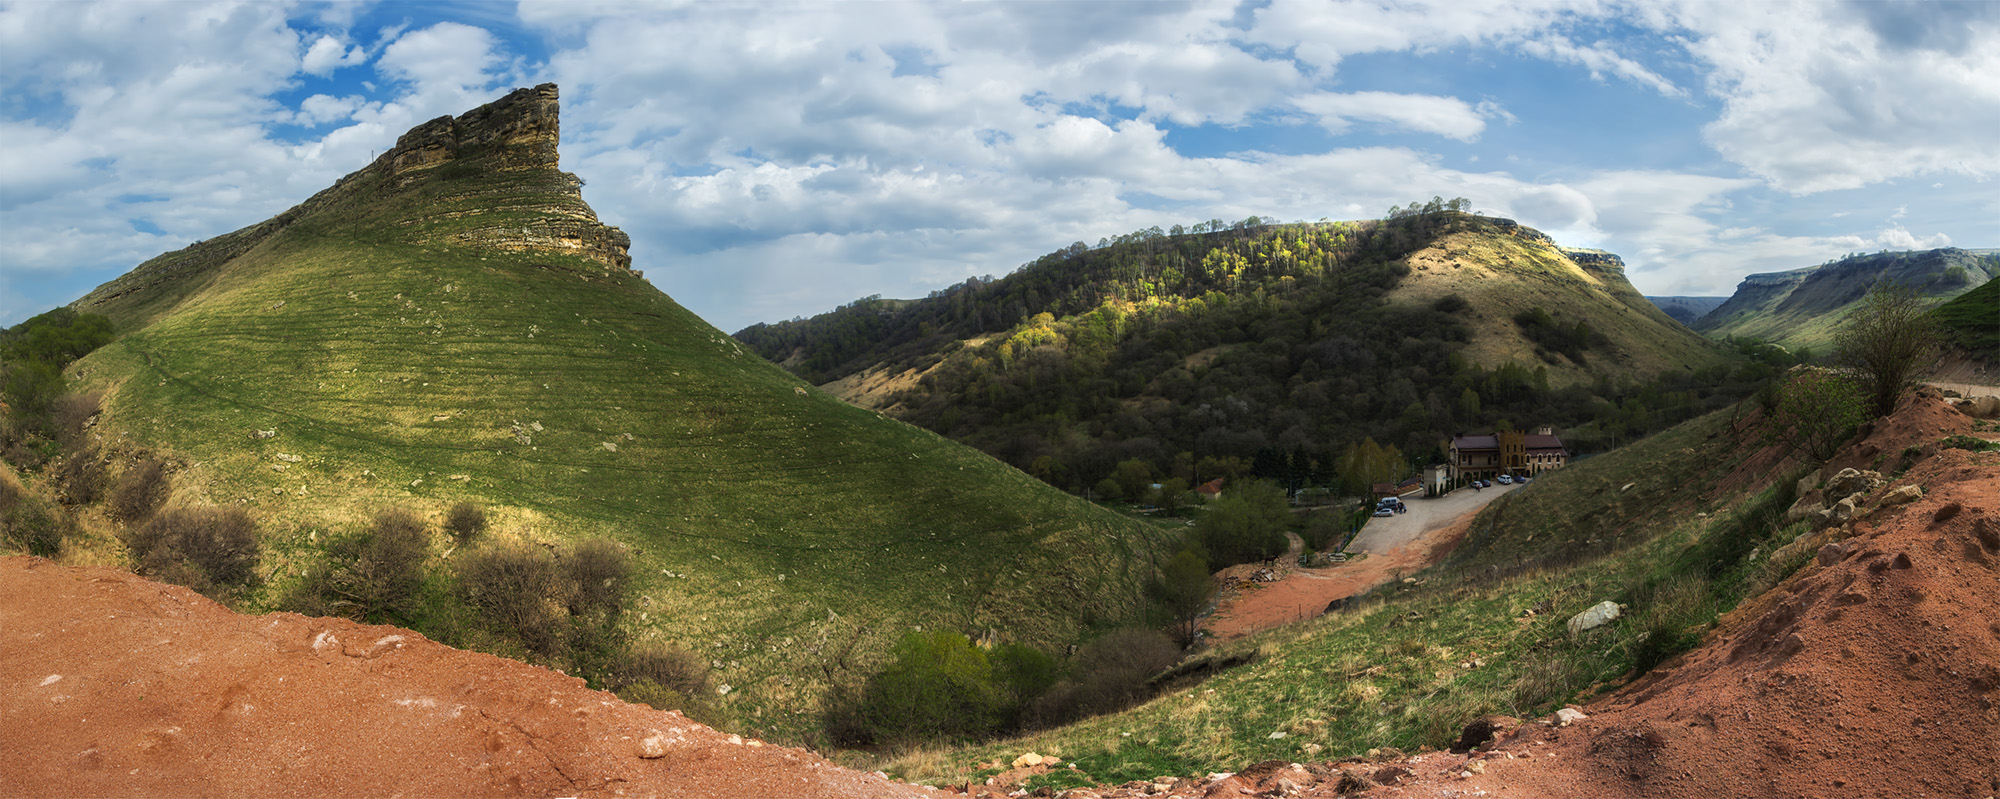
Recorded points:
113,685
1246,606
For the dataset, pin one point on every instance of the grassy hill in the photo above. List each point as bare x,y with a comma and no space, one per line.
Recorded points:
1972,320
1266,349
1806,307
451,323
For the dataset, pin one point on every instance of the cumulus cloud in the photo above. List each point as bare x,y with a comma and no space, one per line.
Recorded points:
328,54
1819,98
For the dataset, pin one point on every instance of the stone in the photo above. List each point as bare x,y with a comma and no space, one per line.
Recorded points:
1476,766
1843,511
1903,495
264,434
1807,507
1568,716
653,746
1598,615
1852,481
1028,760
1830,554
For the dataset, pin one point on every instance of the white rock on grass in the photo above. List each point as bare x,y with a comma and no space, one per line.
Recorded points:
1568,716
1598,615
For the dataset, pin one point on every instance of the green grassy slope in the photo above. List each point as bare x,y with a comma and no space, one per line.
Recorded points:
1973,320
402,367
1807,307
1409,665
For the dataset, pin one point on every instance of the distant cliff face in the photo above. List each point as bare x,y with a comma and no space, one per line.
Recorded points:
1805,307
516,136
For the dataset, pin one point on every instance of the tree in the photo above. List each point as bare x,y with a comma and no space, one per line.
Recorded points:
1816,411
1248,524
1184,588
1887,343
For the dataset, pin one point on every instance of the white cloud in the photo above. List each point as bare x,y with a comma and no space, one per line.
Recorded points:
1423,113
1599,58
1817,99
328,54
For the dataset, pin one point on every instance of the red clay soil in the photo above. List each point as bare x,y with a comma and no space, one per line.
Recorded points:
113,685
1301,593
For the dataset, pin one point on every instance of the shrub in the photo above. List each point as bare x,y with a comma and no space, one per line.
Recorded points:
1110,673
82,477
939,687
665,677
139,491
34,525
600,572
520,588
71,414
465,521
387,568
201,548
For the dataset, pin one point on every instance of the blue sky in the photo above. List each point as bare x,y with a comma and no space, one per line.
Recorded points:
773,159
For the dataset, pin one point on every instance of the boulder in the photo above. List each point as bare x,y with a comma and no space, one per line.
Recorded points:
1843,511
1850,482
1903,495
1806,508
1568,716
1598,615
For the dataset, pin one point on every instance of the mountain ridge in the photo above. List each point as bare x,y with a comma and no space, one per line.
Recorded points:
1803,307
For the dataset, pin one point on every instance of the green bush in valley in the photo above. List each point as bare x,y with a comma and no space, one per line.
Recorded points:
1815,413
665,677
206,549
939,687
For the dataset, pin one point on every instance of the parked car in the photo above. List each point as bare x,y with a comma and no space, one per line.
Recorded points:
1505,480
1385,511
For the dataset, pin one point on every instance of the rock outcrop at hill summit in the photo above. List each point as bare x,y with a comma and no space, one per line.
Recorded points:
520,132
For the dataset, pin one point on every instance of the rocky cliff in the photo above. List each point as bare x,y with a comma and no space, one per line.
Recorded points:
541,208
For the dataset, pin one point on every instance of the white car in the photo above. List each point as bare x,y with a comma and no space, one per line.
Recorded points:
1504,480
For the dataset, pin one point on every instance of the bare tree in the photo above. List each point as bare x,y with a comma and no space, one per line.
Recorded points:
1888,342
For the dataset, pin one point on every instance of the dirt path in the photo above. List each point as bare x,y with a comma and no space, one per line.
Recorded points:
1301,594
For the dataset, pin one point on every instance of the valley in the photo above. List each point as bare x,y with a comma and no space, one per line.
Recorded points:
426,456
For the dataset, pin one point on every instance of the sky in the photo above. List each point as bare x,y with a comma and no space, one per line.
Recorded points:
773,160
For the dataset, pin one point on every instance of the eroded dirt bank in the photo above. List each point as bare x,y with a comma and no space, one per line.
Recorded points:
113,685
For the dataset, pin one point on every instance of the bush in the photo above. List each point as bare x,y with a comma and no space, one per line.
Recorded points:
71,415
665,677
1247,525
387,567
520,588
139,491
600,572
939,688
465,521
201,548
34,525
82,477
1110,673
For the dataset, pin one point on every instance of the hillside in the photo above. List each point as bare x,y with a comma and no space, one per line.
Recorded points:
1972,321
1803,307
1760,650
1266,349
451,323
1687,309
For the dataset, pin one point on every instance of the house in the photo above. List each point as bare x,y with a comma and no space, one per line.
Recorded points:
1211,490
1506,452
1437,479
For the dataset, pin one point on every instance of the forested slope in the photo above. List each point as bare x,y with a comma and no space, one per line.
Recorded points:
1267,349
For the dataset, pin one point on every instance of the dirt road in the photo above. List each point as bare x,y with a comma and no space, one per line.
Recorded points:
1394,546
